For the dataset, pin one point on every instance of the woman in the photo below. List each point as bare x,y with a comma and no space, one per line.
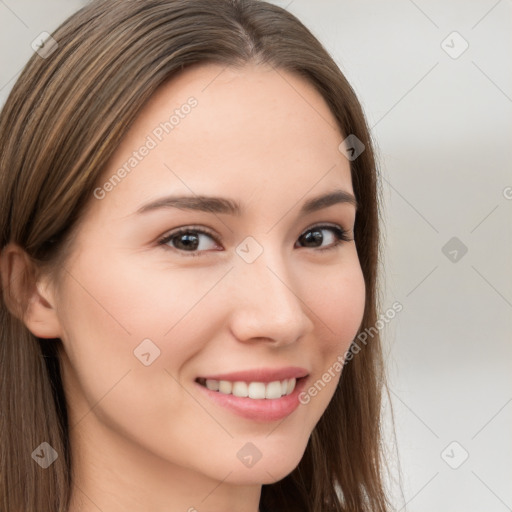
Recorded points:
189,234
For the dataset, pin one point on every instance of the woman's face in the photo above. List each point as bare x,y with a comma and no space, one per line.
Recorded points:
254,290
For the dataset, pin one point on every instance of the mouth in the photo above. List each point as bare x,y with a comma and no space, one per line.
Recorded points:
253,390
260,395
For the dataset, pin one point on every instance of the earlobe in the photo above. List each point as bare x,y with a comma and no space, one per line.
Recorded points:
26,296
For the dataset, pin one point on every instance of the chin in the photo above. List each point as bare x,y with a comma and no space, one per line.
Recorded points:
268,470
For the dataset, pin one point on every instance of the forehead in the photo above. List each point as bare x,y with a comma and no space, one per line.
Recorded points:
214,129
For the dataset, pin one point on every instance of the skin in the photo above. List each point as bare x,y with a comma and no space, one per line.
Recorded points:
144,437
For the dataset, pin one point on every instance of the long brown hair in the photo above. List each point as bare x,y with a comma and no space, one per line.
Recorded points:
64,118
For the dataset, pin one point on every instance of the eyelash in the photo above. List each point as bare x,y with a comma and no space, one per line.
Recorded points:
339,232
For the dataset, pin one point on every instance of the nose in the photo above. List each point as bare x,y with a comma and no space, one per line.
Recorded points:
267,305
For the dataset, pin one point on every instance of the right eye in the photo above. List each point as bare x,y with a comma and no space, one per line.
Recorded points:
188,241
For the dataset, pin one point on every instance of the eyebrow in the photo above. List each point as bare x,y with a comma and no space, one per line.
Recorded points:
212,204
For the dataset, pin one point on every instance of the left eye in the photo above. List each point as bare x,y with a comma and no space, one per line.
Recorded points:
188,240
314,235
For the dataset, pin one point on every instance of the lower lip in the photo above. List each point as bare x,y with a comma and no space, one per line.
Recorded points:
265,409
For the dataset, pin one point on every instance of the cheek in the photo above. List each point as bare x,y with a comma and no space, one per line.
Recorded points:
111,311
338,301
109,307
124,301
130,327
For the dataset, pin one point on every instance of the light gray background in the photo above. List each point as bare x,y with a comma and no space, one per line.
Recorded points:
443,128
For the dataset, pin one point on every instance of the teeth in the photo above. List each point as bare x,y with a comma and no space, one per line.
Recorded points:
212,384
273,390
291,386
257,390
240,389
254,390
225,387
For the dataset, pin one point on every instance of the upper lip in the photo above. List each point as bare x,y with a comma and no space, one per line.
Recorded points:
261,374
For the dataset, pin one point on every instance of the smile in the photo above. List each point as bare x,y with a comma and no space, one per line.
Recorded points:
263,394
255,390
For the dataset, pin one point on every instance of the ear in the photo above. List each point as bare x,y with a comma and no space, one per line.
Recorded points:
27,297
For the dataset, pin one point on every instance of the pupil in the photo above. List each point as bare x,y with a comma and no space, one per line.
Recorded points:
313,236
190,241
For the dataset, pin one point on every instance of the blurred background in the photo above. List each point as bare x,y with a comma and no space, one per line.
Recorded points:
436,88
